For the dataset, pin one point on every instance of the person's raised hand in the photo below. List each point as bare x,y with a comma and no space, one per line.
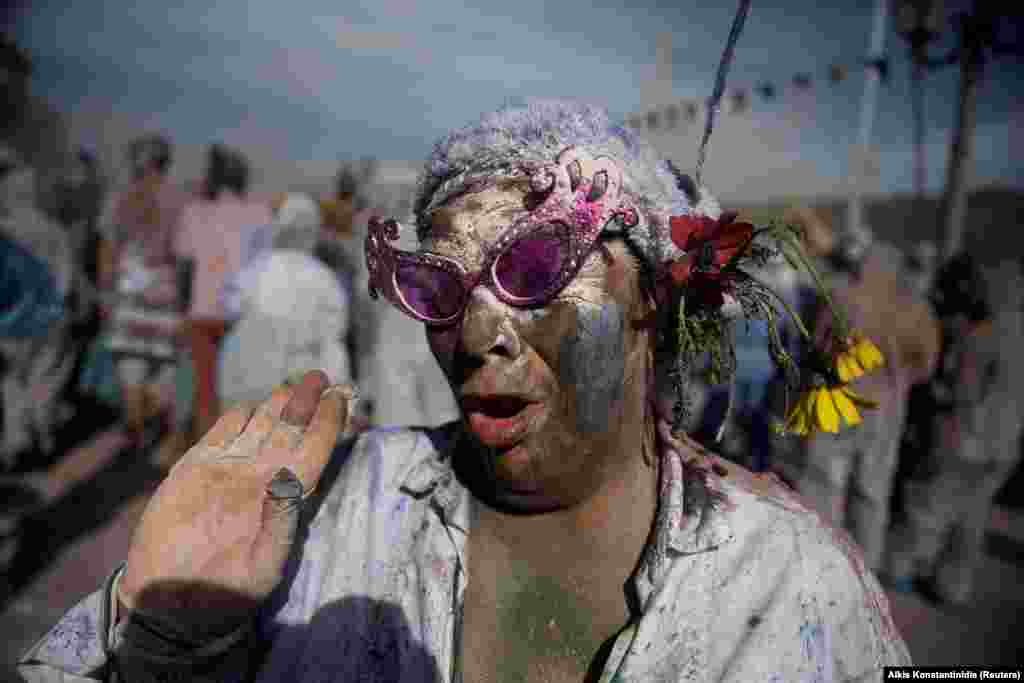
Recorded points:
213,541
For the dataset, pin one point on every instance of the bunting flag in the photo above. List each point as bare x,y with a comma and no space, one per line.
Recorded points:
800,87
766,90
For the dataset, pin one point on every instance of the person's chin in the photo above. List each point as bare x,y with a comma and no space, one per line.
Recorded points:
514,489
511,482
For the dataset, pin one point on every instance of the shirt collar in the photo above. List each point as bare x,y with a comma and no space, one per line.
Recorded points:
690,516
431,475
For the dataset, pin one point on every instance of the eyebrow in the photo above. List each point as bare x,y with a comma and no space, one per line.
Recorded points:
441,222
441,217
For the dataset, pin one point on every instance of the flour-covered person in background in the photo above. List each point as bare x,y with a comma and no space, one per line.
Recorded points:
399,381
212,240
291,312
561,530
973,445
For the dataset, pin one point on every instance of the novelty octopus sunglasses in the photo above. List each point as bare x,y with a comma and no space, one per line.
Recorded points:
528,265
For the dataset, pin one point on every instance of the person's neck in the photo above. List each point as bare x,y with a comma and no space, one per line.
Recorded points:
611,524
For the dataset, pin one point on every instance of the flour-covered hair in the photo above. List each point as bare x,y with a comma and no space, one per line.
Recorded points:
538,131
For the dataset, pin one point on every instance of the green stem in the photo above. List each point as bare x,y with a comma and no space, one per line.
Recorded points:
792,314
836,312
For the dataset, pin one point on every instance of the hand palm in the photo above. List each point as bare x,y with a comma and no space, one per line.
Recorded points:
214,539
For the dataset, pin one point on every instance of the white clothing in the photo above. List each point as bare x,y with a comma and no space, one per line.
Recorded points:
740,583
294,317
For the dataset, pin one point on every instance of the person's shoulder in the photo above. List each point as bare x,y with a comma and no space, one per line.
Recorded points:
807,571
762,506
382,459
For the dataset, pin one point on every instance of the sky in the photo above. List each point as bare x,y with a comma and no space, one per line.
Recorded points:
312,81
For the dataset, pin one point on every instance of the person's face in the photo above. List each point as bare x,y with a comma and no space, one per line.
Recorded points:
547,394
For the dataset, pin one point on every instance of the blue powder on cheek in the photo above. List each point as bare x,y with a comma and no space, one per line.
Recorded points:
592,360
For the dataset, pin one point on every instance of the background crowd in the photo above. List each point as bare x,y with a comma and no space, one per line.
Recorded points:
163,305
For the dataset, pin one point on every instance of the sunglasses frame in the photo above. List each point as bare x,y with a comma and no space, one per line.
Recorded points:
579,209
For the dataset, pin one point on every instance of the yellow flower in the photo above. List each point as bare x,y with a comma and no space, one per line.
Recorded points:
860,355
797,419
824,408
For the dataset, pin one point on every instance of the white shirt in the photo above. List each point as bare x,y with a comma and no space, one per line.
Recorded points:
294,317
741,583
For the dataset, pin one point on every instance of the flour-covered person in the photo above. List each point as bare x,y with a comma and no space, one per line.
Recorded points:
560,530
290,311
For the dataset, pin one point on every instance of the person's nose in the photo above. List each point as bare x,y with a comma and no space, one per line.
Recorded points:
487,329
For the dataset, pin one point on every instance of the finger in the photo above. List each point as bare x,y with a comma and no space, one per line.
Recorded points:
332,415
266,416
279,522
229,426
261,425
295,417
304,399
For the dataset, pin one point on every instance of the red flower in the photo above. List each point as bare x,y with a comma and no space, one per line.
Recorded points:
708,243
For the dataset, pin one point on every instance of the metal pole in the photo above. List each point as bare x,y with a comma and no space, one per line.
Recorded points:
867,116
917,100
953,207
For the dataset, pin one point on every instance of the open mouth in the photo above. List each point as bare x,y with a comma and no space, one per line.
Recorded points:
499,421
494,406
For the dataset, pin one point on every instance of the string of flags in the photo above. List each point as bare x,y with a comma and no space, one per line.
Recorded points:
738,100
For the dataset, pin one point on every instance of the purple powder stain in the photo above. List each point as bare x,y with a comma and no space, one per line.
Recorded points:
817,651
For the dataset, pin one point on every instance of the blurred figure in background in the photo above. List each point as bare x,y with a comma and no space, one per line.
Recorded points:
32,128
138,281
81,201
399,381
848,477
37,367
977,417
921,264
292,312
212,243
29,306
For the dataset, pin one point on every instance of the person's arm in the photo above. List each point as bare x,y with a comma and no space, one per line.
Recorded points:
99,640
168,616
921,356
106,257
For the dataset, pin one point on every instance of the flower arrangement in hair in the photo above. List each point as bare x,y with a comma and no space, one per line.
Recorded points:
711,284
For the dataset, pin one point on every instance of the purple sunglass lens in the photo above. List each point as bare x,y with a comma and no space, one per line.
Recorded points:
430,291
530,266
